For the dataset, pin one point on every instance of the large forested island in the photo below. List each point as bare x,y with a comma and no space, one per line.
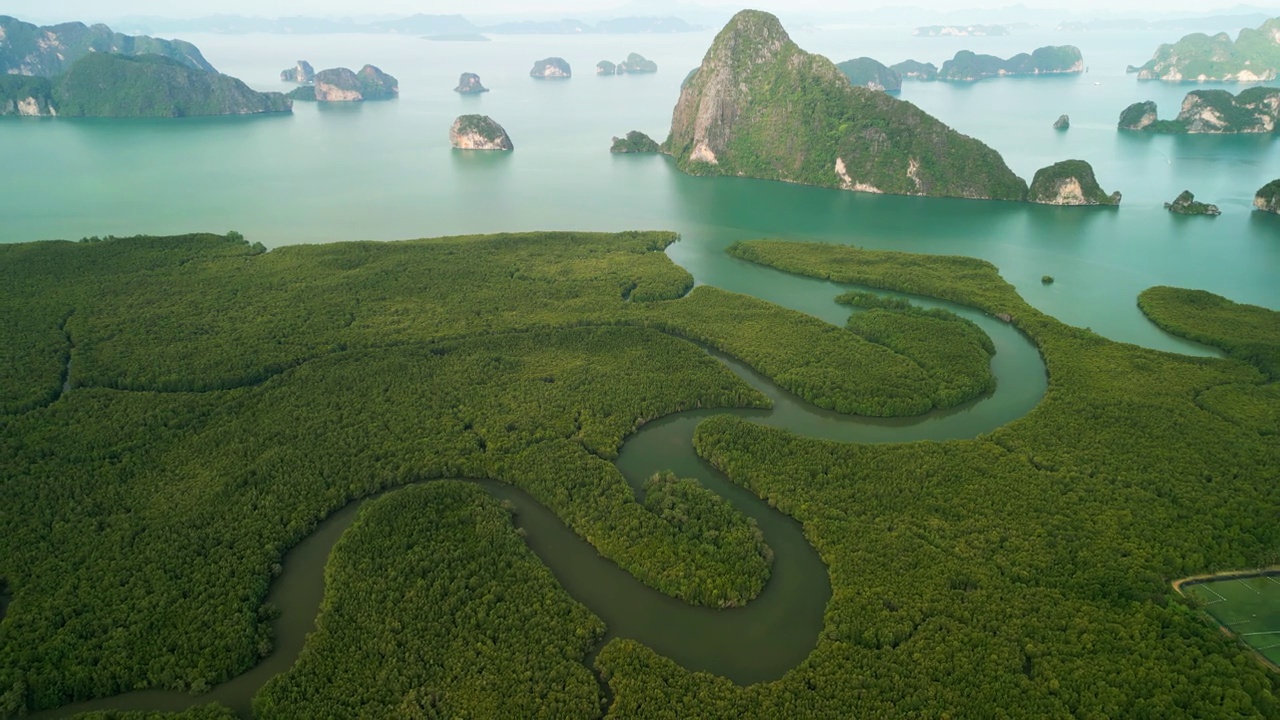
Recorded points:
180,412
759,106
110,85
26,49
1254,56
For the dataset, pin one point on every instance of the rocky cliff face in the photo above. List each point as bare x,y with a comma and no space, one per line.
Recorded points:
1268,198
604,67
915,70
1254,56
759,106
1062,123
1070,182
478,132
26,49
24,95
469,84
552,68
1138,116
302,73
1256,110
343,85
1186,204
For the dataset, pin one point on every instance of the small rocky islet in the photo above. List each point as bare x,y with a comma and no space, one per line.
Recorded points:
552,68
634,142
1186,204
469,84
479,132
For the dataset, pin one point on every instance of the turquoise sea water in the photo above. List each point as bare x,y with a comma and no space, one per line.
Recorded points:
385,170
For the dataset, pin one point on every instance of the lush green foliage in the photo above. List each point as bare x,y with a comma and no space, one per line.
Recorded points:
953,351
634,142
1213,111
1025,571
1202,57
1268,197
1247,332
784,114
1186,204
302,93
871,73
370,83
636,63
19,89
434,607
967,66
225,400
51,50
916,70
107,85
484,127
1050,182
207,712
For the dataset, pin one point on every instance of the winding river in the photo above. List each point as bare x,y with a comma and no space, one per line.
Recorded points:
754,643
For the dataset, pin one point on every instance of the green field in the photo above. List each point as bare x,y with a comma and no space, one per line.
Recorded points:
1248,607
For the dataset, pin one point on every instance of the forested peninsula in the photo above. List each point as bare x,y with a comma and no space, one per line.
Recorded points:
128,86
201,405
51,50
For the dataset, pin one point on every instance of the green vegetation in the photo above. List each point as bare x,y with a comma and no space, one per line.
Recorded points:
224,400
1255,110
51,50
302,93
871,73
552,67
1046,279
1248,607
784,114
813,359
1070,182
953,351
967,66
1025,570
1253,57
636,64
634,142
106,85
1186,204
1138,116
483,131
1267,198
206,712
343,85
1247,332
490,632
914,70
17,91
604,67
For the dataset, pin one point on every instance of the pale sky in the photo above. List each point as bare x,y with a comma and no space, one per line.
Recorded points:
94,9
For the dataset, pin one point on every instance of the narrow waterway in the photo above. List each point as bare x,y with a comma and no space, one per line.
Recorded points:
758,642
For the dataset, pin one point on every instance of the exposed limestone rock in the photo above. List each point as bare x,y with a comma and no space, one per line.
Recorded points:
469,84
479,132
1070,182
1185,204
1062,123
302,73
552,68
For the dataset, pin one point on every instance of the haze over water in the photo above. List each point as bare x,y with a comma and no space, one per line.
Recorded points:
385,171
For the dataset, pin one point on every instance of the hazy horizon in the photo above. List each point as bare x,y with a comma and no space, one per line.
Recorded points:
94,11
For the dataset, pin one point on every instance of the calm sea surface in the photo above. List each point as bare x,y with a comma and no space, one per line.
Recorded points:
385,170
